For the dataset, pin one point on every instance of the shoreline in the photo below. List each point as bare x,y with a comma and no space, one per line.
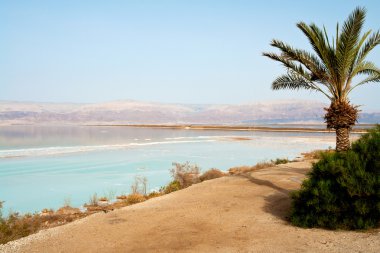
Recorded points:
54,152
233,128
249,210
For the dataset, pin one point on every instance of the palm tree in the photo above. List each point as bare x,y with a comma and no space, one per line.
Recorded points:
331,69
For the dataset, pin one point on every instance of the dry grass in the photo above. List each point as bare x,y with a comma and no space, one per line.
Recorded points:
66,210
245,169
16,226
135,198
184,175
211,174
154,195
93,200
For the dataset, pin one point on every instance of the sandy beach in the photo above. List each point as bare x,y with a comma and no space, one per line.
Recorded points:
229,214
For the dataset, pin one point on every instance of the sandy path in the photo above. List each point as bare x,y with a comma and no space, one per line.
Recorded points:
231,214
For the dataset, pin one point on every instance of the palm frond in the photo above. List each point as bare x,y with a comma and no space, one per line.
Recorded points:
370,79
327,54
371,43
364,68
298,68
292,82
335,62
310,61
356,52
318,42
367,68
349,39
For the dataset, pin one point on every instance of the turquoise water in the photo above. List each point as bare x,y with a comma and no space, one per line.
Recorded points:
40,166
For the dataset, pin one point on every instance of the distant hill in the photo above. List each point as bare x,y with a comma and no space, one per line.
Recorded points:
136,112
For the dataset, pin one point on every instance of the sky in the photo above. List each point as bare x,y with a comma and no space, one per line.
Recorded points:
190,51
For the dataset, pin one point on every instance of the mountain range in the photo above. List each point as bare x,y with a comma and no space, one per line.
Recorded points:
137,112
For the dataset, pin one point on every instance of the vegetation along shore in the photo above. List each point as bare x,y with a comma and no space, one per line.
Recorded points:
219,214
324,201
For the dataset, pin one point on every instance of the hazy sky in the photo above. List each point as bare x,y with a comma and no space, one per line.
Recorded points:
166,51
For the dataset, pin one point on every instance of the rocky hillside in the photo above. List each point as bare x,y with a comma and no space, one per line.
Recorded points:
136,112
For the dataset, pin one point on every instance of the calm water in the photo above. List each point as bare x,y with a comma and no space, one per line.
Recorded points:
40,167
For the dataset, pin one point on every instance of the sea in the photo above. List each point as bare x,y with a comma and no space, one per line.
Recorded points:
49,166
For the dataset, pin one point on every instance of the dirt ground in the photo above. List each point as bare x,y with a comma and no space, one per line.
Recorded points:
230,214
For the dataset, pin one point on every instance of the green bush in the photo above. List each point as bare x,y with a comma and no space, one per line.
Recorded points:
17,226
171,187
343,189
280,161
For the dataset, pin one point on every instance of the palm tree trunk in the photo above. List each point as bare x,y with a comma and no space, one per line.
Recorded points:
342,139
341,116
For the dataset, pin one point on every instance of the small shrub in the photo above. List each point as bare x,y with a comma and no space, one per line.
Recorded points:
154,195
280,161
140,185
16,226
343,189
171,187
211,174
93,201
185,173
135,198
